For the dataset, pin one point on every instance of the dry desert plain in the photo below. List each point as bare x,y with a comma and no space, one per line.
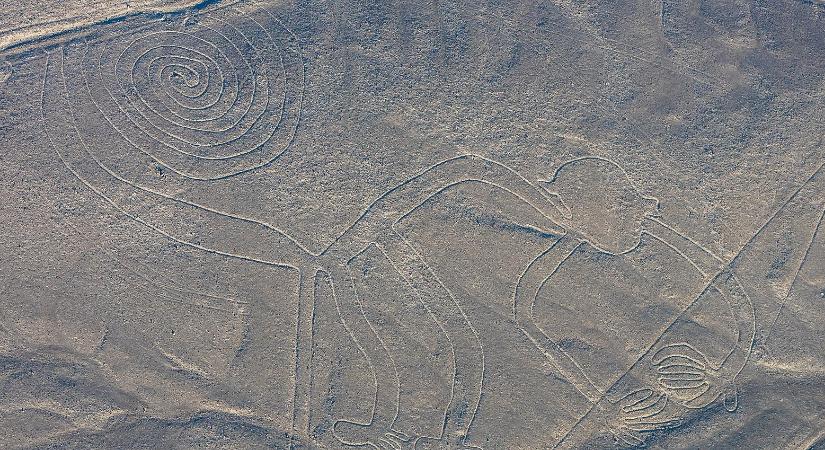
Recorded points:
408,224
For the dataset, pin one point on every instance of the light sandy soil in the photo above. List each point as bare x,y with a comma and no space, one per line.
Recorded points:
24,22
407,225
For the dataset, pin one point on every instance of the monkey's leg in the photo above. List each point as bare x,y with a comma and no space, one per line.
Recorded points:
466,346
378,431
303,351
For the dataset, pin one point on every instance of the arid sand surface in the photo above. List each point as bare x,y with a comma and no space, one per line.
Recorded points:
404,225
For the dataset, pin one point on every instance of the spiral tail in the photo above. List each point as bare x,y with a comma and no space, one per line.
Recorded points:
151,113
208,97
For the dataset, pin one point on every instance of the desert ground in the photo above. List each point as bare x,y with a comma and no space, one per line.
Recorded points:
397,224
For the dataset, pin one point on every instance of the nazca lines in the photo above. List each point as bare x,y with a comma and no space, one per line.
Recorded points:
668,370
637,402
156,101
206,101
755,289
118,139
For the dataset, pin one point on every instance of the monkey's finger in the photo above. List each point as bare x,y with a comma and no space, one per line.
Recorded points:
681,360
683,350
704,398
398,435
627,438
650,410
679,368
392,438
731,399
679,384
647,427
635,398
684,376
385,444
644,404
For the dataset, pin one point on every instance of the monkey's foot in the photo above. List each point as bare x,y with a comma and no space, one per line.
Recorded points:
427,443
383,438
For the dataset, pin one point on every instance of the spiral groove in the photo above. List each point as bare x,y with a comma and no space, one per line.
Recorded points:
206,100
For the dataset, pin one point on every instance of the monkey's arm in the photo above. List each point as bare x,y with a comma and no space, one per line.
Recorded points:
524,299
716,276
401,200
757,281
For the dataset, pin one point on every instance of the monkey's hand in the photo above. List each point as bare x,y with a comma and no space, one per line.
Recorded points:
632,416
686,374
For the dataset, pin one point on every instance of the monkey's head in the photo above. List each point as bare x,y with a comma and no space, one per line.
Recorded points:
602,204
